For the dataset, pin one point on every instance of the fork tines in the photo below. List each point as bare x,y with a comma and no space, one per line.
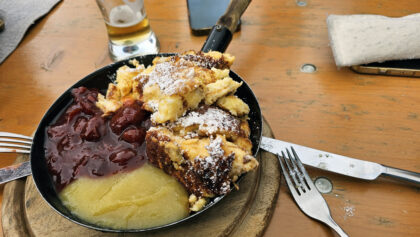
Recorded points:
14,143
301,181
303,190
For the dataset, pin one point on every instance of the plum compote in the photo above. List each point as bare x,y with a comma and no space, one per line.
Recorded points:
83,142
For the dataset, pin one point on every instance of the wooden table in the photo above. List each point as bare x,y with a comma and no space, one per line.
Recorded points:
374,118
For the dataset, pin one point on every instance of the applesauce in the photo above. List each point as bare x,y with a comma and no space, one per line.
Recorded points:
142,198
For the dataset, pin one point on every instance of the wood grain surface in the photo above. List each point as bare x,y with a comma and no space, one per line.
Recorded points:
375,118
244,212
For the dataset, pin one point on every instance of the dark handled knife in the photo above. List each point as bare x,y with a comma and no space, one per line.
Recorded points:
337,163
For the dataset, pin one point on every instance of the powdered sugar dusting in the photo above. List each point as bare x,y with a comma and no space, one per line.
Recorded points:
213,168
215,148
215,152
208,163
225,187
153,105
191,135
170,77
211,121
349,211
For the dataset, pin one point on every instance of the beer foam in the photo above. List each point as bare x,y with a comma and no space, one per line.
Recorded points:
124,16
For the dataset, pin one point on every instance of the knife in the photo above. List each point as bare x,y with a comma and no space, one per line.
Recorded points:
320,159
16,171
337,163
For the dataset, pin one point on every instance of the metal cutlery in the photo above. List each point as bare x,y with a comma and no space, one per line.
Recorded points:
339,164
11,142
16,143
304,192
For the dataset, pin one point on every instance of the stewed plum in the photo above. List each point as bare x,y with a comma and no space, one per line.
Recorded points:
131,113
134,135
84,142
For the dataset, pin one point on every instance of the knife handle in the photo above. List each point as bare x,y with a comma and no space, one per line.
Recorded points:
402,174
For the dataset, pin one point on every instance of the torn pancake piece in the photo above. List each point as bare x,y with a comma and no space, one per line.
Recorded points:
207,163
173,85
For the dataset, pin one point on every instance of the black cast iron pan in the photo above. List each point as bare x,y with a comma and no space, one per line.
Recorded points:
218,40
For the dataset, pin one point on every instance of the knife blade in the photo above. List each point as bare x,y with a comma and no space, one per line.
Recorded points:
16,171
337,163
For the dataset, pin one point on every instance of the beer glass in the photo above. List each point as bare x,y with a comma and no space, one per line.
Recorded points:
128,29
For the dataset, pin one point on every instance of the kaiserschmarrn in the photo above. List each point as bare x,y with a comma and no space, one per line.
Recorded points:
200,132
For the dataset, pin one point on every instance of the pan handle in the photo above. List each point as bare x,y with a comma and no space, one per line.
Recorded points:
221,34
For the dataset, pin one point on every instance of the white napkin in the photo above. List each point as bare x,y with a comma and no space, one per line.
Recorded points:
18,15
360,39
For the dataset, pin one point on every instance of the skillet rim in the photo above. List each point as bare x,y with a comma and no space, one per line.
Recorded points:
39,137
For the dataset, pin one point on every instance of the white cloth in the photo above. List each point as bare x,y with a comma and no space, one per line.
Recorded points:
360,39
18,16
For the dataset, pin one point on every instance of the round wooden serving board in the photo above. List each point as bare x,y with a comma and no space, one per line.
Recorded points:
244,212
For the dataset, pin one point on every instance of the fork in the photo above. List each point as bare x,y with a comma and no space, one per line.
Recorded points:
304,192
12,142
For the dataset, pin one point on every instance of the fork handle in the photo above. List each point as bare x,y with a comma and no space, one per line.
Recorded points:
331,223
402,174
